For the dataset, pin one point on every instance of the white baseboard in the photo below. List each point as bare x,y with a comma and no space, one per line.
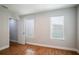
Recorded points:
77,50
13,40
65,48
4,47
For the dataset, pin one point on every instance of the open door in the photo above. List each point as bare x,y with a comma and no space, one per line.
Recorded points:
29,29
25,30
21,32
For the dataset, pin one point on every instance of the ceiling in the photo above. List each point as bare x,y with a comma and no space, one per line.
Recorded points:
22,9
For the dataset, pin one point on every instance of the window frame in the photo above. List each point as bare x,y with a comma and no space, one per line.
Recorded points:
51,29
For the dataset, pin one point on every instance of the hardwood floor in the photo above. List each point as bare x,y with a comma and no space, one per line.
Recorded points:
18,49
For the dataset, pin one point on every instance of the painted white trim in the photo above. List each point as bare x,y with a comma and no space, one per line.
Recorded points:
65,48
77,50
13,40
4,47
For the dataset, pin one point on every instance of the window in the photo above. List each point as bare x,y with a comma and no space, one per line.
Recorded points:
57,27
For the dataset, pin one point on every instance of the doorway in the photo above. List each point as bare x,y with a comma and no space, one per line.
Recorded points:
13,30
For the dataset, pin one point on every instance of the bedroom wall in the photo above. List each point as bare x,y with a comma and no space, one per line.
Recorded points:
5,14
42,28
4,28
78,27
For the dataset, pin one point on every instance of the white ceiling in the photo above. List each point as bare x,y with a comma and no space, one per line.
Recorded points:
23,9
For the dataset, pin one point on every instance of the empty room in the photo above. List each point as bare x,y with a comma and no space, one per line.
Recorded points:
39,29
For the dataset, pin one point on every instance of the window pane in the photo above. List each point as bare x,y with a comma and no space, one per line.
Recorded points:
57,31
57,27
57,20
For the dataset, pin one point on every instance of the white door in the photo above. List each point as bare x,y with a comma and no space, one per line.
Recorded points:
29,29
21,32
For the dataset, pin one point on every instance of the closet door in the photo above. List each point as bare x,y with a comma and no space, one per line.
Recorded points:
21,32
29,29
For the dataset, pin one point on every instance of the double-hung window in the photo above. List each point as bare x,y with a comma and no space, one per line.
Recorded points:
57,27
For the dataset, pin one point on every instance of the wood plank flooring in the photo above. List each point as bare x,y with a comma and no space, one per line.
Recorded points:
18,49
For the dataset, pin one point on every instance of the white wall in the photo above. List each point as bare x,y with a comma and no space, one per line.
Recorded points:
4,28
42,28
5,14
78,27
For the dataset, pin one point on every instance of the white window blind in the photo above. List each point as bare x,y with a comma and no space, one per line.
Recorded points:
57,27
